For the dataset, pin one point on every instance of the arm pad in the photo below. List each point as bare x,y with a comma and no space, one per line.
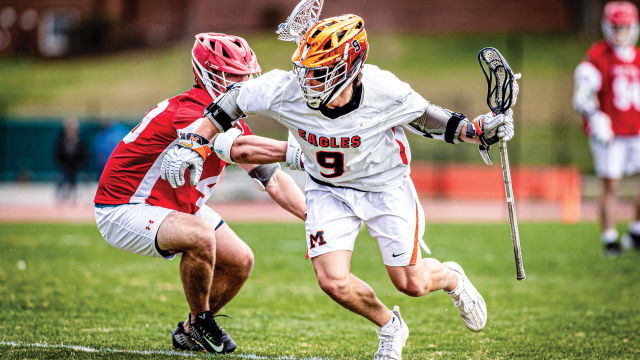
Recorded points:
439,123
262,174
587,82
224,112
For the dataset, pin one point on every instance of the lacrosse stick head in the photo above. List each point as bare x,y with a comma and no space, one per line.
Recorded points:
304,16
502,84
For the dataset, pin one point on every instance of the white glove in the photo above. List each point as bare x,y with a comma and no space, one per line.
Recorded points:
506,130
486,126
295,157
600,127
223,142
190,152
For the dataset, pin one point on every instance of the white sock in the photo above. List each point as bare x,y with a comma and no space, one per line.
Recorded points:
393,322
634,227
609,236
460,280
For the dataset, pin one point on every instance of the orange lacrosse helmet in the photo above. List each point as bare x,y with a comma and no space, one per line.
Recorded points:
331,55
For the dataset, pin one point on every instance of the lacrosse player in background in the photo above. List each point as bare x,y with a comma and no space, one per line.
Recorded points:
348,120
607,94
139,213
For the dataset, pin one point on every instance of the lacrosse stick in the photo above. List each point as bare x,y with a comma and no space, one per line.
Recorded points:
305,14
502,93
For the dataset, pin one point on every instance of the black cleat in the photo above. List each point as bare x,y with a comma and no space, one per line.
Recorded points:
182,340
209,335
612,250
631,241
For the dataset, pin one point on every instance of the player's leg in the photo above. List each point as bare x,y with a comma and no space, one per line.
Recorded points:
332,228
335,279
195,239
631,240
609,162
234,262
607,209
396,220
425,276
159,232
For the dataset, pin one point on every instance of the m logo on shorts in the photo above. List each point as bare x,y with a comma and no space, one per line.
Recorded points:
318,239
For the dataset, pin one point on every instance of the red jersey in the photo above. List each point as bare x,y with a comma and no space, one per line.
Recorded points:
132,174
619,94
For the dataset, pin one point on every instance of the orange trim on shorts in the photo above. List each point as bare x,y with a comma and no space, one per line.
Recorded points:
414,256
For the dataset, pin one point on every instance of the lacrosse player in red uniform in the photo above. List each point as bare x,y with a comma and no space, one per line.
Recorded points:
607,94
138,212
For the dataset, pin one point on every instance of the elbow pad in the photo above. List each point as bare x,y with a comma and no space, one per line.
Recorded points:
262,174
588,81
439,123
224,112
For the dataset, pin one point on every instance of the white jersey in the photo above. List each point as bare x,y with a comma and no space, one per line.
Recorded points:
365,149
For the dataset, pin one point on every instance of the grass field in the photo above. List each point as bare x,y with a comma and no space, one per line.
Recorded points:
63,284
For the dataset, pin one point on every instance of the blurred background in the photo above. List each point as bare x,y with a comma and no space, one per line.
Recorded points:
89,70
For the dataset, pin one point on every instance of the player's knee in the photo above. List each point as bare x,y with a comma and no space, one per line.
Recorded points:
205,243
333,286
413,289
245,263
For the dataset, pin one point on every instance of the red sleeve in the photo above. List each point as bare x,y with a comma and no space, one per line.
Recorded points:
597,54
246,130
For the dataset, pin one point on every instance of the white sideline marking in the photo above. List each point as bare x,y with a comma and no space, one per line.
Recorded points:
151,352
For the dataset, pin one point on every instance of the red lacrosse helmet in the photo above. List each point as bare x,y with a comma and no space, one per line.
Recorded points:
215,55
620,23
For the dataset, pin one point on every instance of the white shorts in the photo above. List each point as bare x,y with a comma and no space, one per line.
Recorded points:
618,158
133,227
394,218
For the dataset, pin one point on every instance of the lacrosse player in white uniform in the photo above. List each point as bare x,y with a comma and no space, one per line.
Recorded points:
347,125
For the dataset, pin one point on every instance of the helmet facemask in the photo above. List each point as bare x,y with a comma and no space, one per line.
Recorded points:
620,23
215,84
625,35
329,81
329,57
220,60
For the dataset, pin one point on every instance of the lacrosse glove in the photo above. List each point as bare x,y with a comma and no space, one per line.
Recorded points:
491,128
600,127
295,157
190,152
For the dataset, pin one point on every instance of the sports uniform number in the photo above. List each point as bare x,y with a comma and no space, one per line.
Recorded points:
331,160
626,92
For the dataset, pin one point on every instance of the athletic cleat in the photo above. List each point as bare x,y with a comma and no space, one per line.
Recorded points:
393,338
209,335
630,241
182,340
468,300
612,250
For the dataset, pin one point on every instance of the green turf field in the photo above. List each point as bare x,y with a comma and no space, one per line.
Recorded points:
63,284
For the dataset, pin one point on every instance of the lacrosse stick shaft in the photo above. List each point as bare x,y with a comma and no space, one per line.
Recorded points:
513,220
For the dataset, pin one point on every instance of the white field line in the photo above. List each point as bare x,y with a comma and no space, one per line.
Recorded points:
149,352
